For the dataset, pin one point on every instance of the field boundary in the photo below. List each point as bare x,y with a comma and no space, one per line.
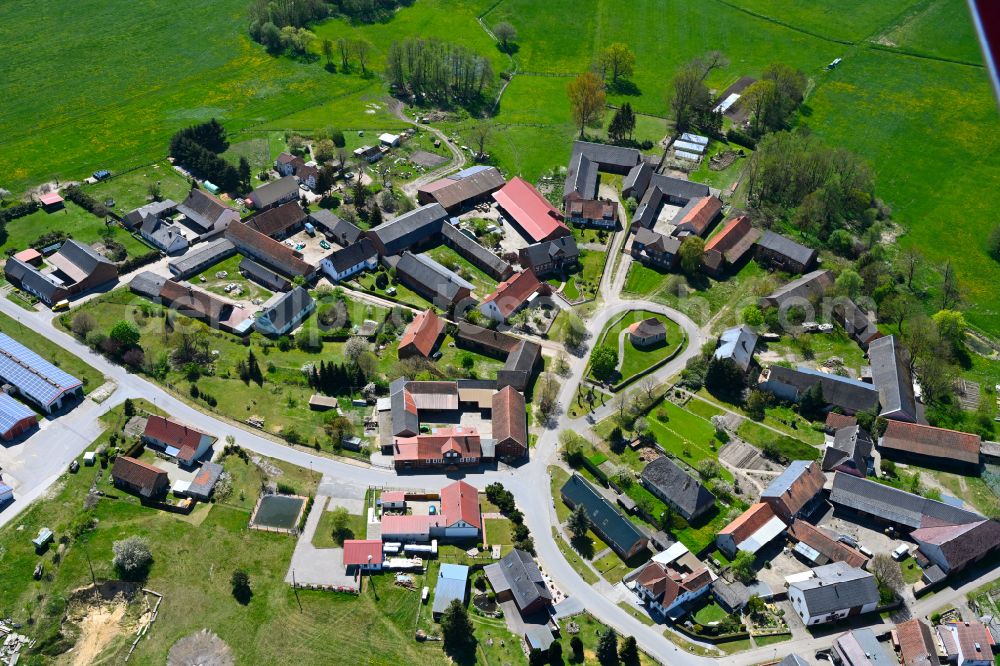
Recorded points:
783,24
924,56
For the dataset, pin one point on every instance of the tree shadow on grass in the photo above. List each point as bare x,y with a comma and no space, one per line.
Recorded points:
462,653
243,594
584,546
624,87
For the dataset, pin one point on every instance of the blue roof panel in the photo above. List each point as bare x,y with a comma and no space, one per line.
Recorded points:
11,411
31,374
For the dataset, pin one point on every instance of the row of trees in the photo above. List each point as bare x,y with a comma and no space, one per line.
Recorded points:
504,500
336,378
440,72
197,147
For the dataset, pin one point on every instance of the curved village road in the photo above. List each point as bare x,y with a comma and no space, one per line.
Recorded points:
458,155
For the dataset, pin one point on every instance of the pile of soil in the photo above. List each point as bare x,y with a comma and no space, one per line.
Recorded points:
200,649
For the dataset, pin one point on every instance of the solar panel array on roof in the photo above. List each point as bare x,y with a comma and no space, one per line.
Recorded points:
12,412
31,374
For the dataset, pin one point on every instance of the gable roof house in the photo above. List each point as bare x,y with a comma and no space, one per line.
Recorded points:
891,375
205,213
197,304
140,478
588,159
737,344
530,212
668,588
285,313
648,332
467,246
366,554
511,295
599,213
929,446
800,291
555,256
784,254
750,531
267,251
729,246
164,235
517,577
181,442
265,277
274,193
409,231
421,335
607,522
850,452
698,218
850,395
439,285
967,643
485,340
681,491
462,190
654,249
460,511
155,209
509,419
340,231
859,647
859,323
26,277
348,261
448,448
197,260
80,268
523,362
279,222
819,548
833,592
795,492
35,379
917,646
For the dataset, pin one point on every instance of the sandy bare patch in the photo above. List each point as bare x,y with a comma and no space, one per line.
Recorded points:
97,629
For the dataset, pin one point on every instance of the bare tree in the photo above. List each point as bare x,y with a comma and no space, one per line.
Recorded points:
887,573
910,260
621,405
344,47
648,385
710,61
505,34
481,133
950,293
547,395
327,47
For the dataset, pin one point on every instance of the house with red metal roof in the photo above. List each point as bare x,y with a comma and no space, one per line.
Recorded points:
421,336
699,216
730,245
929,446
511,295
460,511
183,443
530,211
366,554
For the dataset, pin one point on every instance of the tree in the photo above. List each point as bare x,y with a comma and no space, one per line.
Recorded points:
82,324
690,253
374,214
505,34
617,60
327,48
575,331
724,378
344,48
622,124
607,648
887,574
757,100
555,654
993,243
752,316
849,283
244,174
709,468
546,394
340,519
132,557
951,326
576,645
124,334
743,566
629,652
586,99
689,96
603,362
456,628
361,49
950,292
128,408
757,402
578,522
481,133
270,37
812,402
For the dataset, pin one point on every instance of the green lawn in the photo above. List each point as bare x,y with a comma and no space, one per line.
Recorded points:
637,360
403,294
688,437
940,29
357,526
789,447
209,282
131,189
557,479
50,351
709,613
449,258
573,557
773,639
813,349
75,221
498,532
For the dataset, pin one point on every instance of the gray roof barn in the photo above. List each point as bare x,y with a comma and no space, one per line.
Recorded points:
518,572
894,505
197,260
408,229
287,309
891,375
148,284
620,533
352,255
849,394
668,481
431,279
341,231
276,191
559,250
29,278
808,287
204,211
470,248
786,247
589,158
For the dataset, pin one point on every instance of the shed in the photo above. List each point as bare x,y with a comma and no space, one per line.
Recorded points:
452,582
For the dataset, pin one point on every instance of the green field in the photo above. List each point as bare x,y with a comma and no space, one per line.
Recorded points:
637,360
75,221
131,190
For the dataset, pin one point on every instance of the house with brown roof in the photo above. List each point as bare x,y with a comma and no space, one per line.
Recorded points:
916,644
206,214
648,332
511,295
279,222
929,446
265,250
668,588
730,246
138,477
178,441
510,424
484,340
967,643
421,335
819,548
555,256
462,190
797,491
600,213
444,448
197,304
698,217
750,531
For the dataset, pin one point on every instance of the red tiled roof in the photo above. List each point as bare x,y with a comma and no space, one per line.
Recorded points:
930,441
357,551
802,489
916,644
824,544
702,214
174,434
423,332
460,501
514,291
968,635
432,447
749,522
509,418
532,212
137,473
421,524
28,256
267,249
835,421
666,584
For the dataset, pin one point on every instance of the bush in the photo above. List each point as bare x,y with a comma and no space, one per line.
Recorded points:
17,210
733,135
132,557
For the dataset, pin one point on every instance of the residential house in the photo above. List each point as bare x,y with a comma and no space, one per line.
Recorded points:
452,584
370,154
443,448
274,193
263,276
728,247
199,259
340,231
697,217
156,210
293,165
917,645
607,522
857,322
47,288
599,213
784,254
859,647
279,222
967,643
796,492
655,249
74,269
351,260
269,252
833,592
850,452
140,478
752,530
819,548
835,422
164,235
511,295
410,231
34,379
460,513
365,554
737,344
647,333
800,291
439,285
468,247
891,375
510,423
667,589
15,418
663,190
679,490
516,578
524,361
285,313
205,213
463,190
588,159
421,336
850,395
929,446
555,256
530,212
183,443
197,304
